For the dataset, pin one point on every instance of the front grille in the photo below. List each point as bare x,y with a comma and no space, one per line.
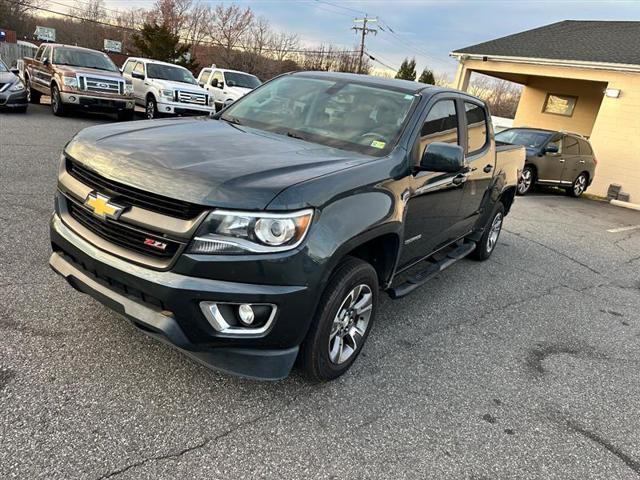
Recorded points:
120,234
101,85
131,196
191,97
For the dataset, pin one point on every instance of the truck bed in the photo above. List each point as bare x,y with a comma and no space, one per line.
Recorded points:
510,162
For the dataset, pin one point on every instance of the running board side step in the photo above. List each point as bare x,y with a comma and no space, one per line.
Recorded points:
423,276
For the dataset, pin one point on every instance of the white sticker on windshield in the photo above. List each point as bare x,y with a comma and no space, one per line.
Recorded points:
408,97
378,144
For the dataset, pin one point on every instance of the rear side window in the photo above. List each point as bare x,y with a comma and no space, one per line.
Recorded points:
585,148
570,146
441,124
477,137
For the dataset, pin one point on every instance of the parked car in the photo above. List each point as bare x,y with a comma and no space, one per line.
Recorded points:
559,159
13,94
226,86
265,233
166,89
78,78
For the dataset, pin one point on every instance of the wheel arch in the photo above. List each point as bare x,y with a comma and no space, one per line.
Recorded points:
507,197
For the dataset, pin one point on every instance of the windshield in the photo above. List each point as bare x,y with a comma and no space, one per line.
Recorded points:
526,138
83,58
167,72
340,114
243,80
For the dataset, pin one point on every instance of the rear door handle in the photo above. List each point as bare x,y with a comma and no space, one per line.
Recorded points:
459,179
581,161
488,168
561,160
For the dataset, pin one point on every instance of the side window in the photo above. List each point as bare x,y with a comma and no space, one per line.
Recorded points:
585,148
128,67
570,146
46,53
204,78
218,76
39,53
557,142
477,136
441,125
139,68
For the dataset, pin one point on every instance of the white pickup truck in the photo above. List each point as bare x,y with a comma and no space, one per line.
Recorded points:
166,89
226,86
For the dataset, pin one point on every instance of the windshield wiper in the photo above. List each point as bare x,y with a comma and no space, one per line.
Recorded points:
231,121
294,135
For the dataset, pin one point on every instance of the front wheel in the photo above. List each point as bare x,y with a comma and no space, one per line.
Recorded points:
489,240
151,108
125,115
579,186
56,102
526,181
342,322
33,94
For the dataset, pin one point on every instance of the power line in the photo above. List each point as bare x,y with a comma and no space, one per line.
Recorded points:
365,31
378,59
359,12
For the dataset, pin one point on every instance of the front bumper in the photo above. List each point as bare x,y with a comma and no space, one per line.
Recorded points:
13,99
184,109
97,103
164,305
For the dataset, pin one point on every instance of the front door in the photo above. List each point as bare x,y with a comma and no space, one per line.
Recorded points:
215,89
480,164
551,165
139,84
433,198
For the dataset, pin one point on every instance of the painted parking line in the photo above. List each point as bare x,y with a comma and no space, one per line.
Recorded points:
624,229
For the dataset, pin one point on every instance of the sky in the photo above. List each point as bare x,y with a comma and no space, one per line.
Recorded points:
425,29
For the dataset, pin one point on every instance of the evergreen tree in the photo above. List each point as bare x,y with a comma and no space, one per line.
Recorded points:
407,70
427,77
158,43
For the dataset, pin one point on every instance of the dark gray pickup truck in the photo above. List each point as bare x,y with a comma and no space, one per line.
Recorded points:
265,234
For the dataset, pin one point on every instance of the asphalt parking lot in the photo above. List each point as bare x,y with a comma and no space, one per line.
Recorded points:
525,366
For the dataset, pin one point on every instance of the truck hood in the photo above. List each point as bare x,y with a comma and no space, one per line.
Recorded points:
89,71
7,77
237,92
205,161
185,87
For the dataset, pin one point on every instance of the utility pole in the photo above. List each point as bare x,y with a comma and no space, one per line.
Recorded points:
365,30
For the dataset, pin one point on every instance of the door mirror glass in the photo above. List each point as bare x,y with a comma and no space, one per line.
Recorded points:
442,157
138,75
15,71
45,61
551,148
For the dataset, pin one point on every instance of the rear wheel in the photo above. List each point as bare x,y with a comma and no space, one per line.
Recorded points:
342,322
579,186
526,181
56,102
489,240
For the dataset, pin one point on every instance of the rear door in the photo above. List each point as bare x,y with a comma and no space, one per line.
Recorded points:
433,199
480,162
571,157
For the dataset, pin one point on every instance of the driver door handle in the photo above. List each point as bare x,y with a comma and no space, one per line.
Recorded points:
459,179
561,160
487,168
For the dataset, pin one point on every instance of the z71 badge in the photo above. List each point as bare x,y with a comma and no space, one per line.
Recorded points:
150,242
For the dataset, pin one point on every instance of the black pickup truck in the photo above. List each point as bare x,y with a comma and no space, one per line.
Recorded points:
265,234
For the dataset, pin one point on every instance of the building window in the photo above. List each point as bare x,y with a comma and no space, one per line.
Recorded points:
560,104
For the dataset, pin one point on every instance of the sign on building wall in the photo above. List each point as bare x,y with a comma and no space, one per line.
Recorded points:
112,46
45,34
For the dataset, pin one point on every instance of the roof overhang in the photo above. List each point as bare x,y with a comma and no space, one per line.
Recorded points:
552,62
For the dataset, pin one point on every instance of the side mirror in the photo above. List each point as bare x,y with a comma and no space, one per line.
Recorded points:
220,85
15,71
201,84
139,76
551,148
442,157
45,61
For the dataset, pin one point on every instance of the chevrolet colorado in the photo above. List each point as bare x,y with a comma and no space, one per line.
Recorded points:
264,235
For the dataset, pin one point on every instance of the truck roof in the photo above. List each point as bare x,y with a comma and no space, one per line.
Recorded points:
150,60
406,85
74,47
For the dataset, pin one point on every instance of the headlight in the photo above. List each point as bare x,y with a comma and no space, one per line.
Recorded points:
166,93
128,88
70,82
17,87
228,232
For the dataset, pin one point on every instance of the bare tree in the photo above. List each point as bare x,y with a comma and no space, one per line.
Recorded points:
174,14
281,45
502,96
228,26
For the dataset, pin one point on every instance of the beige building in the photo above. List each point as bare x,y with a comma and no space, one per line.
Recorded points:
578,76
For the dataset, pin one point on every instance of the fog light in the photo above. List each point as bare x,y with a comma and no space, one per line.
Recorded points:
245,312
129,104
168,109
72,98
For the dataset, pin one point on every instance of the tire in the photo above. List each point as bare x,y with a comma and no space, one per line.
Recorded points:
56,102
125,115
21,109
151,108
34,95
579,185
527,180
328,350
489,240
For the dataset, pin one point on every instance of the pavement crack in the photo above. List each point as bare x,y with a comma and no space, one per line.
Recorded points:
558,252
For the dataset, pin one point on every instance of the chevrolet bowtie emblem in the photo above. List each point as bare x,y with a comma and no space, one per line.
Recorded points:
102,207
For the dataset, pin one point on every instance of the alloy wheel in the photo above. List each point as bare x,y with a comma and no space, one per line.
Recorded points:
350,324
494,232
151,109
580,185
525,181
